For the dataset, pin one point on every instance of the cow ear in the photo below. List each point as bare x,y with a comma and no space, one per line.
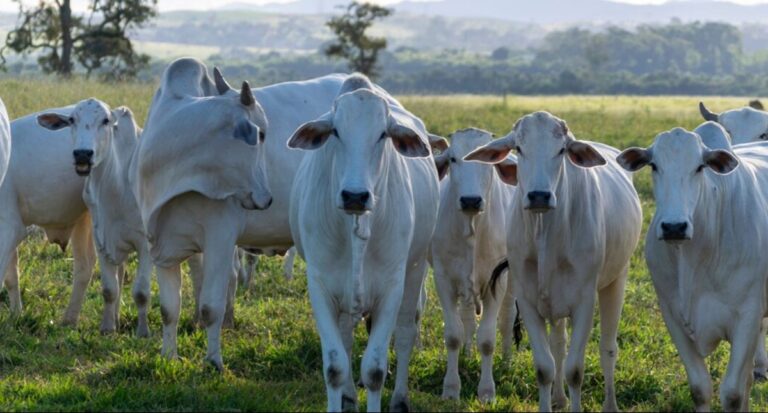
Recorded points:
407,142
583,154
247,132
720,161
507,170
493,152
438,143
634,159
442,163
54,121
311,135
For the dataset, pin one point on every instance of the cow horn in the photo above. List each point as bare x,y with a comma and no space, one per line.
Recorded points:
246,96
707,114
221,84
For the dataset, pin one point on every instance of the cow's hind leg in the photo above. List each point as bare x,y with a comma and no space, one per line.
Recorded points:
611,299
486,341
734,390
110,292
84,258
761,357
141,291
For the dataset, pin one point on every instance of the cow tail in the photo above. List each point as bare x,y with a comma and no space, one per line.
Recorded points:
497,271
517,330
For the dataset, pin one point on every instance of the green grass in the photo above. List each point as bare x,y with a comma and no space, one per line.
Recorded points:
273,355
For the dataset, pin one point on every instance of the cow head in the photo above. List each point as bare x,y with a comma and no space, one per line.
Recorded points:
678,159
245,120
543,142
743,125
470,181
358,129
92,125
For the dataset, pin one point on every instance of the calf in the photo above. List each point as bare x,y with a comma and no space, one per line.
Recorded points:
705,249
469,241
572,228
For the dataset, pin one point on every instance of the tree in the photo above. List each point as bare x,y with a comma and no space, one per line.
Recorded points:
98,43
352,43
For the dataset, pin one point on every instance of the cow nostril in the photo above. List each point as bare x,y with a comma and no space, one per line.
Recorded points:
82,153
355,199
471,202
539,196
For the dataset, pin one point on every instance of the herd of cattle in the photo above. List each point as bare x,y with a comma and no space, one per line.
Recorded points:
338,168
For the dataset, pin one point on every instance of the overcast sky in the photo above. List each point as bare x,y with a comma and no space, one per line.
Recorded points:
6,5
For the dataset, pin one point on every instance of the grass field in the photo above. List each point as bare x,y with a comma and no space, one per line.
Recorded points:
273,355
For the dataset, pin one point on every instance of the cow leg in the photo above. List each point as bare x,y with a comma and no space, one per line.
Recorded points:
141,291
453,334
84,258
229,312
542,356
374,364
469,321
698,374
486,341
347,325
508,315
574,362
735,386
611,299
110,291
406,331
195,263
761,357
169,283
217,275
12,282
335,360
290,256
557,343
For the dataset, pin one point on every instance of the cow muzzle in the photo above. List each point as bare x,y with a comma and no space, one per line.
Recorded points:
83,161
675,231
539,202
356,202
259,203
471,205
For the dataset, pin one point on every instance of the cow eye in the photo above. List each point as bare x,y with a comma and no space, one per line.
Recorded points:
262,136
335,133
653,166
383,136
562,151
764,136
700,168
453,160
105,122
71,120
519,151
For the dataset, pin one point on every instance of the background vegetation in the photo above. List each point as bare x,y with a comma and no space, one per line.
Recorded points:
272,357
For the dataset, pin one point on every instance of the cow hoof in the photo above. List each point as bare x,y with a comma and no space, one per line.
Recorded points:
487,395
560,403
142,331
760,375
216,362
451,391
400,404
610,407
67,322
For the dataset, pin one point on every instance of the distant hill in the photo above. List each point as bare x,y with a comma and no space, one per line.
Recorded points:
550,11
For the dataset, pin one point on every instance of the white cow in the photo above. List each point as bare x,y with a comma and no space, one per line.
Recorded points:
40,177
362,212
5,141
470,239
573,226
743,125
748,124
705,249
104,142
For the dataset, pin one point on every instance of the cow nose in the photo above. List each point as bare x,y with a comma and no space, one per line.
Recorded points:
82,155
471,203
539,200
674,231
355,201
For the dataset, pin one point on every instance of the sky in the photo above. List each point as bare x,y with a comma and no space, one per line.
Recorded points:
165,5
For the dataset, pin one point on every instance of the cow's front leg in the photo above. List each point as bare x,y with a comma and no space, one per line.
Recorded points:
217,274
169,283
335,360
574,363
110,291
542,357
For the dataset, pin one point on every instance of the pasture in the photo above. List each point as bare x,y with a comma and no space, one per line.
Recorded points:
272,356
